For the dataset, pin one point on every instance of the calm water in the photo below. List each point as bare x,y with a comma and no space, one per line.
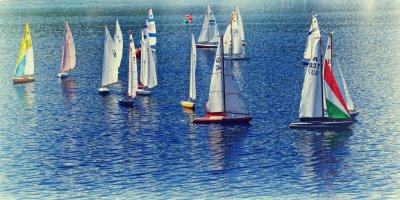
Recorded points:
61,140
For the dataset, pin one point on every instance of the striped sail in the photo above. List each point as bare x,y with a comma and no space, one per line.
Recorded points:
118,43
152,29
209,32
335,103
311,94
215,102
68,57
25,62
240,22
109,59
312,33
192,90
132,69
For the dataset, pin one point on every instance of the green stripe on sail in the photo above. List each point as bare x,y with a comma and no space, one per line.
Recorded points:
335,112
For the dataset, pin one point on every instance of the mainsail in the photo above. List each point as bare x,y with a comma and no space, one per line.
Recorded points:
118,43
312,33
192,90
209,32
25,62
152,29
240,22
132,71
109,59
68,57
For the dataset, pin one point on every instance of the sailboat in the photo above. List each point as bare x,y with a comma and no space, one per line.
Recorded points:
209,33
119,46
24,68
192,85
68,57
109,63
132,75
337,73
151,28
312,33
240,22
318,81
233,48
148,74
224,101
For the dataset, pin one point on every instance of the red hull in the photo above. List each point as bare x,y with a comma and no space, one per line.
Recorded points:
221,119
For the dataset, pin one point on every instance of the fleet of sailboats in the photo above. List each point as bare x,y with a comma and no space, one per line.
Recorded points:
209,33
192,83
132,86
225,104
24,69
68,57
325,102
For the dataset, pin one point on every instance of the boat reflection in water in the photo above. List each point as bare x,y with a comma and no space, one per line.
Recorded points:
68,87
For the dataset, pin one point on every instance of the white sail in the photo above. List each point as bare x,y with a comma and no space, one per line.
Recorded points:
233,101
227,40
142,57
151,27
192,90
311,94
132,72
152,73
209,32
215,102
118,42
343,87
68,57
109,59
144,69
240,22
237,47
312,33
29,66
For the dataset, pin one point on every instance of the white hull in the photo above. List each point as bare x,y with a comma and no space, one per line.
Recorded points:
322,124
103,90
63,75
242,57
143,92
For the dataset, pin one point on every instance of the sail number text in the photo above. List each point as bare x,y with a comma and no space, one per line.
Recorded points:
313,68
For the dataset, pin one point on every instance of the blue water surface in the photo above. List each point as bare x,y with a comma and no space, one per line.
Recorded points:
59,139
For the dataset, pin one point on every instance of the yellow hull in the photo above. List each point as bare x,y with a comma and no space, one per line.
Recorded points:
187,104
23,80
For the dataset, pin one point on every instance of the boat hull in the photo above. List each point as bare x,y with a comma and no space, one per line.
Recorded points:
222,120
305,62
354,113
143,92
322,125
62,75
103,90
236,58
126,102
23,80
187,104
206,45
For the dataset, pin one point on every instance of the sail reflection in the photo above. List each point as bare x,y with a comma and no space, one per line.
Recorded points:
26,93
68,87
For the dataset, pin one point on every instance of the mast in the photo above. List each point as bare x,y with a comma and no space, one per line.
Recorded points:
322,77
129,67
231,38
223,73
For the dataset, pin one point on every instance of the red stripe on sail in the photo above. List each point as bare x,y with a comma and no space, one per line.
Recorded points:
331,81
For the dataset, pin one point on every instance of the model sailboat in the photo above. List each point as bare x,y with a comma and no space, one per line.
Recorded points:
132,75
312,33
224,100
240,23
24,68
68,57
192,85
233,48
148,74
109,63
209,33
337,72
312,100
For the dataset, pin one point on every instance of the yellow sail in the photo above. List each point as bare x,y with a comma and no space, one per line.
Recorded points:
25,62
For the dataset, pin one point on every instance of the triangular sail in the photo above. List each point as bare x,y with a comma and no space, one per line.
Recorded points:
132,71
335,104
233,100
192,91
152,29
144,69
343,87
109,59
209,32
152,73
215,102
227,39
240,22
68,58
25,62
118,42
311,94
237,47
312,33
